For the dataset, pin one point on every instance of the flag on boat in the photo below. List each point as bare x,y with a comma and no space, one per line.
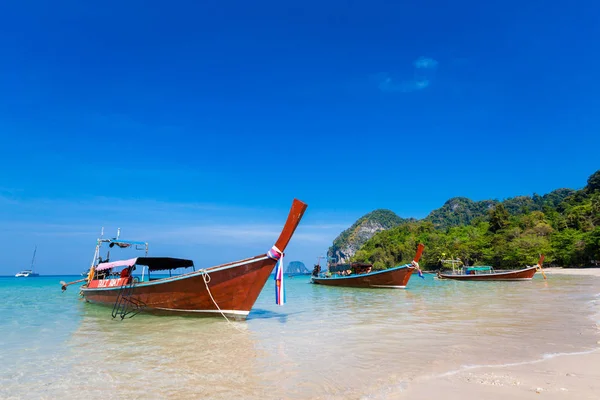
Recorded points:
274,253
279,290
418,268
277,254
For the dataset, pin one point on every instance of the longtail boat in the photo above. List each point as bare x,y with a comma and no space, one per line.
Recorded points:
229,289
362,276
487,273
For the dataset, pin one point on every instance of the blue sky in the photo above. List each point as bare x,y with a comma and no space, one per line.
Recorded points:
194,124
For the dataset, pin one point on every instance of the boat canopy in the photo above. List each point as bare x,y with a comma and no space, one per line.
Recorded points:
153,263
347,266
486,268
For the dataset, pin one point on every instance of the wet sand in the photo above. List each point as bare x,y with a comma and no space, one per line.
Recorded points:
572,376
562,376
573,271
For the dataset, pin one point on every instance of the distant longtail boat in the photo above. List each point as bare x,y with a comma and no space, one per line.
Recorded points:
229,289
487,273
362,276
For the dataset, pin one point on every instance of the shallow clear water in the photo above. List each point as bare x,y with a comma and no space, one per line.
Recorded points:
324,342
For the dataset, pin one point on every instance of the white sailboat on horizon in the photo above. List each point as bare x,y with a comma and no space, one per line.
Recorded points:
29,273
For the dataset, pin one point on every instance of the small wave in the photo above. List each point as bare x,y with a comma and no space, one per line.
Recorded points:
545,357
594,305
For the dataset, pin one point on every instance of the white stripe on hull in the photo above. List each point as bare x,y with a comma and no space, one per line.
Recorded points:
226,312
389,286
489,280
513,279
229,313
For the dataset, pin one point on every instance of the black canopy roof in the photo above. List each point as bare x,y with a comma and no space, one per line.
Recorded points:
164,263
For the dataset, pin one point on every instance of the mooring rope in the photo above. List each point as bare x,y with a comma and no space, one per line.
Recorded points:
206,278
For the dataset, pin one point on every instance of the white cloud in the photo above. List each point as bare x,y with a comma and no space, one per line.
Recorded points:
208,233
246,234
424,62
424,69
389,85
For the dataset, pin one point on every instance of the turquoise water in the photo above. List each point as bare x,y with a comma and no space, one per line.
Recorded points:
323,343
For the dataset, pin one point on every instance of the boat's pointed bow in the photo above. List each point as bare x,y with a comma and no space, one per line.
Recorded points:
293,219
539,265
420,248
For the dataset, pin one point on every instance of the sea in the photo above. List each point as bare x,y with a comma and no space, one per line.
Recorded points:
323,343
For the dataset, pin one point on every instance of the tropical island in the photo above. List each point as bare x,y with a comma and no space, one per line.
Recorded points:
563,224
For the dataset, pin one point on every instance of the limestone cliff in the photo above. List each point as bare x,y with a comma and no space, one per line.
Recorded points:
296,267
350,240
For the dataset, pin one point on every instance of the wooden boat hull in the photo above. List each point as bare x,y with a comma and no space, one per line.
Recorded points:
393,278
234,287
229,289
518,275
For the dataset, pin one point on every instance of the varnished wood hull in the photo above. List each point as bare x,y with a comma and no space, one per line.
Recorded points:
518,275
230,289
393,278
234,287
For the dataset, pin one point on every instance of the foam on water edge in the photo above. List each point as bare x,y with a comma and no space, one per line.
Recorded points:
545,357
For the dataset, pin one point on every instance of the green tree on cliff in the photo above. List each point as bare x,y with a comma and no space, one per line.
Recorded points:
564,225
498,218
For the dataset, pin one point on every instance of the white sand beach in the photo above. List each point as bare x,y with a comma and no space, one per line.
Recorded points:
591,271
562,376
573,376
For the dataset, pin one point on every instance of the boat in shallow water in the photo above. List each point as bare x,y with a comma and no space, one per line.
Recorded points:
487,273
229,289
362,276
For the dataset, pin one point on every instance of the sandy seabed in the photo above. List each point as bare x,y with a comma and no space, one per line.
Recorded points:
560,376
